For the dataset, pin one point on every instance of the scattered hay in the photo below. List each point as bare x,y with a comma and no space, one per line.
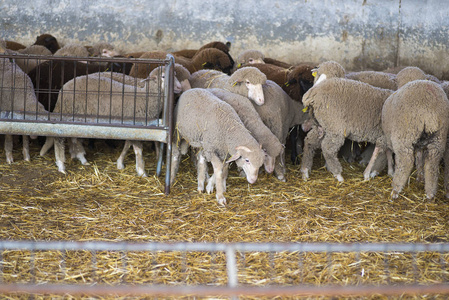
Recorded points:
99,202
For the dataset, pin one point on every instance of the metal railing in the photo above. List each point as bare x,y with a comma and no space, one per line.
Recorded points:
18,117
404,268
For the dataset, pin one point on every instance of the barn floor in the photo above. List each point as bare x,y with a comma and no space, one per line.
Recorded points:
99,202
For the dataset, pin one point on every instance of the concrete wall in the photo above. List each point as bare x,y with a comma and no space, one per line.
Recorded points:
361,34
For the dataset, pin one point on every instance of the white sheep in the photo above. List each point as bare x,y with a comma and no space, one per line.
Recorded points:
212,126
252,121
280,113
73,50
343,108
246,81
415,118
106,97
17,96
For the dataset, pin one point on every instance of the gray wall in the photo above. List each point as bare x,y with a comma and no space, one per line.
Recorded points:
360,34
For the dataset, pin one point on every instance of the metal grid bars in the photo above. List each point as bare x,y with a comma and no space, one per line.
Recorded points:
87,98
216,269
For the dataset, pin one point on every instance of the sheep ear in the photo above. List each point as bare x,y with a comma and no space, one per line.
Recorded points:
237,154
321,78
244,148
233,157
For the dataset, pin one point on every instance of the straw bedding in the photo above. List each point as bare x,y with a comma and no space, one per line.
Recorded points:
99,202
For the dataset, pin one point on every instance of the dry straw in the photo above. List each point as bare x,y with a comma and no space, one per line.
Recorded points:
99,202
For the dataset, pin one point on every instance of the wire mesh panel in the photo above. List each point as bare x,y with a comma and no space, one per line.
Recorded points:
87,98
209,269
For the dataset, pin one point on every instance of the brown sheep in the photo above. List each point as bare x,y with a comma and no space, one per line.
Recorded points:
48,41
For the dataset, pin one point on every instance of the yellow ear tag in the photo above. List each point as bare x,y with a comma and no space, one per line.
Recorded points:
305,109
239,65
234,83
314,74
287,84
204,64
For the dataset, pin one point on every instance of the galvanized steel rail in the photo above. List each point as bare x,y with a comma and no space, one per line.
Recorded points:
91,126
231,251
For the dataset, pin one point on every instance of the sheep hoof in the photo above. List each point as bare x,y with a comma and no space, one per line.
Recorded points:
221,200
120,165
339,178
210,187
394,194
374,174
61,167
430,198
281,178
9,159
305,174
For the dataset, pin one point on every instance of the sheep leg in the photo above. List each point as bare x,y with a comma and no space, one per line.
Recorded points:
390,162
446,170
432,160
175,156
368,174
419,164
279,167
8,149
77,151
140,163
49,141
26,147
121,158
311,143
211,180
217,164
201,168
330,145
404,166
60,153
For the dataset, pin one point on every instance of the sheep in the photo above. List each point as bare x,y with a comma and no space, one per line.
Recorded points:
142,70
415,118
208,58
11,45
73,49
379,79
211,125
49,77
102,49
327,69
104,96
27,64
252,121
190,53
343,108
246,81
249,57
17,95
181,85
280,113
252,56
48,41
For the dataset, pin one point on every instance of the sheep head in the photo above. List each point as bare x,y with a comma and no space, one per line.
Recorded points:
249,160
253,78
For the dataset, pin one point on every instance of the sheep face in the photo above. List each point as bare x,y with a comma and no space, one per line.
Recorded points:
255,92
250,161
268,162
177,87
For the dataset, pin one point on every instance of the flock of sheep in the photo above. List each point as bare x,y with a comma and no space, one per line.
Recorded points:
245,110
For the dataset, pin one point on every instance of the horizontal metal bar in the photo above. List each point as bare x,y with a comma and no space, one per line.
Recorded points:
89,59
219,247
85,131
171,290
